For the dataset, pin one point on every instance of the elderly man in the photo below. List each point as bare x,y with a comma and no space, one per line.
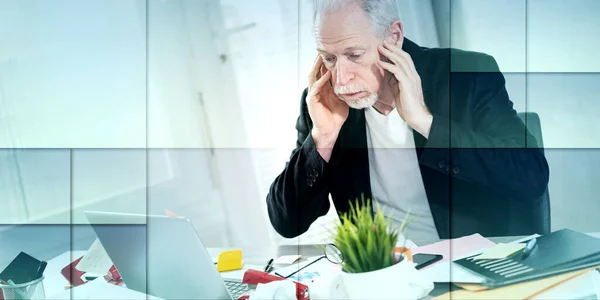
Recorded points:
387,119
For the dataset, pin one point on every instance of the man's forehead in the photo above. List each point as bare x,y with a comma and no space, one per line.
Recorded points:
328,49
344,42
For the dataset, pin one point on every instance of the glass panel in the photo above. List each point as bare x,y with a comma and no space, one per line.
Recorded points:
494,27
562,36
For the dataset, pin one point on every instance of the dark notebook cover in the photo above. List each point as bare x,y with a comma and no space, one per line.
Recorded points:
24,268
556,253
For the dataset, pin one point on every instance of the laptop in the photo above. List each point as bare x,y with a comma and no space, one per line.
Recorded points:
161,256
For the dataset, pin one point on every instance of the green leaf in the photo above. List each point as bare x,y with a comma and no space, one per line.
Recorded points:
366,236
371,250
365,260
350,257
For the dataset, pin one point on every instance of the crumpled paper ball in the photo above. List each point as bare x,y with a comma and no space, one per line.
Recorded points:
282,289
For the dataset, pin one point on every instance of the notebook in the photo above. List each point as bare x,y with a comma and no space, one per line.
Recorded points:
23,269
556,253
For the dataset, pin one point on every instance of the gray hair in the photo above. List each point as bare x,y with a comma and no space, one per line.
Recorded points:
381,13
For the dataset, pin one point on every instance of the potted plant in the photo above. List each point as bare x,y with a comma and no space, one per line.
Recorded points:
371,269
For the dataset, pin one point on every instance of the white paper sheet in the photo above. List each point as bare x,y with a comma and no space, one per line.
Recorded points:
100,289
318,270
287,259
96,260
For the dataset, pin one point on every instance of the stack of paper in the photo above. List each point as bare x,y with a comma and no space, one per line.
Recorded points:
576,288
524,290
572,285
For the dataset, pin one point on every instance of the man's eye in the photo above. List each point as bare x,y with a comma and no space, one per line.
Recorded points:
354,56
330,59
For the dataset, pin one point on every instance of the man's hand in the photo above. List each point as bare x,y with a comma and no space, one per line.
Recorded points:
406,88
326,110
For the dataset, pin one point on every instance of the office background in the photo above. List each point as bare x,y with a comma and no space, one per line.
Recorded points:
190,105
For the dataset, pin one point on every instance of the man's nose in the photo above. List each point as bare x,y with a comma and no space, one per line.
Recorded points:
344,73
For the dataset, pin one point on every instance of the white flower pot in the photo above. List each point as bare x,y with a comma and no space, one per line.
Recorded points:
400,281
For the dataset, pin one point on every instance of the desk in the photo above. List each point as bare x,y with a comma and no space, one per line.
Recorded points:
54,282
260,256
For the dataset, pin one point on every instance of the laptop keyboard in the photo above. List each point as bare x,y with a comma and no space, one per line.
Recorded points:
236,288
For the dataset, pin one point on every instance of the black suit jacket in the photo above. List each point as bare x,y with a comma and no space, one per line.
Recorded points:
481,168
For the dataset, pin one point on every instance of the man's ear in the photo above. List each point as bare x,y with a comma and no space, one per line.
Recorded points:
395,35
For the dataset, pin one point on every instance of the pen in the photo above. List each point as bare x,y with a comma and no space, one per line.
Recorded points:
528,248
269,265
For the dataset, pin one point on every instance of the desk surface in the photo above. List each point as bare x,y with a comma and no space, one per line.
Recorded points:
54,282
261,254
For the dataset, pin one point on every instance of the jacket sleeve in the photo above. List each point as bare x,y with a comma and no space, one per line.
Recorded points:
300,194
497,150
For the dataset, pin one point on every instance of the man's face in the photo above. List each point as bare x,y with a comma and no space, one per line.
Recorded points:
348,45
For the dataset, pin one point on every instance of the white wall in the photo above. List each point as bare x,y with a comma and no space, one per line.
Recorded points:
176,118
97,85
72,74
265,57
554,41
234,168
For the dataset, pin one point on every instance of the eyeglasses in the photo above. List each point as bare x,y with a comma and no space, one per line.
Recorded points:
332,253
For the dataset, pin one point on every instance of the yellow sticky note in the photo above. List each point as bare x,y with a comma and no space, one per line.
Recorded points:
500,251
230,260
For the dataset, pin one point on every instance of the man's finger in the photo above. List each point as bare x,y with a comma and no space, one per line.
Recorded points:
321,82
401,55
317,87
322,70
408,59
312,77
394,57
398,72
389,54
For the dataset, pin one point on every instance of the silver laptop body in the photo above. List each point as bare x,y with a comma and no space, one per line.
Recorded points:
160,256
